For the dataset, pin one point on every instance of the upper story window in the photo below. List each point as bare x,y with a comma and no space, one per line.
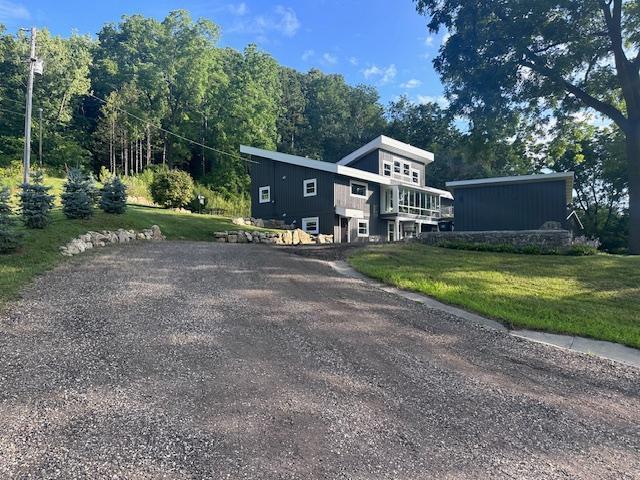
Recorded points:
310,187
397,167
358,189
406,169
386,169
415,176
264,194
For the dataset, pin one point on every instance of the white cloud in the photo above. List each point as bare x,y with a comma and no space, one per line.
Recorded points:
413,83
385,74
13,11
282,20
425,56
353,61
329,59
429,40
445,37
238,9
440,100
307,54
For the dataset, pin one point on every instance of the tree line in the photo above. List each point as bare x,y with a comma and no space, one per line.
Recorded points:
129,98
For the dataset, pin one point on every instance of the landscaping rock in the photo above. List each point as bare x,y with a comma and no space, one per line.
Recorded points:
232,238
92,239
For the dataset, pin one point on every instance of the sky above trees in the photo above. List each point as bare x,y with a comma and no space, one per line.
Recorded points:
375,42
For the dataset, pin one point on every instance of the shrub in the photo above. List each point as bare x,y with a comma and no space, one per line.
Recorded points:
575,250
79,195
579,250
9,238
36,202
114,196
104,175
172,188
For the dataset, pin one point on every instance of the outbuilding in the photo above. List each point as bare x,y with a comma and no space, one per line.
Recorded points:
524,202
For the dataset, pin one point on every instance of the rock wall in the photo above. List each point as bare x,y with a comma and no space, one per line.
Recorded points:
258,222
107,237
518,238
286,237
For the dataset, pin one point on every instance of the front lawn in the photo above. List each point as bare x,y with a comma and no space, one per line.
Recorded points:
596,296
40,250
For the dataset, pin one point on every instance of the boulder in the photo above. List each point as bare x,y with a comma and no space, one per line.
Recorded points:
232,238
237,221
220,235
305,238
286,238
258,222
157,234
248,236
295,237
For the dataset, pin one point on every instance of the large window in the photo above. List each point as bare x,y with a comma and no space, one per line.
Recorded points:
358,189
418,203
311,224
265,194
363,228
309,187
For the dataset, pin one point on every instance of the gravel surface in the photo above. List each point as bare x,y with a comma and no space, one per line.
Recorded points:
198,360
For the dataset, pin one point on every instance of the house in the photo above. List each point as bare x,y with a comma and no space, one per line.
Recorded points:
378,192
525,202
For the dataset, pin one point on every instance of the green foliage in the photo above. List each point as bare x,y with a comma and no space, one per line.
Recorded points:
114,196
104,175
79,194
525,249
581,250
36,203
9,237
172,188
218,204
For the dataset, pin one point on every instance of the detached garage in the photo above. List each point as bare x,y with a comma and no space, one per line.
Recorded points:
525,202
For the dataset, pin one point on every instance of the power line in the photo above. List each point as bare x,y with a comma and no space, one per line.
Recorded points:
173,133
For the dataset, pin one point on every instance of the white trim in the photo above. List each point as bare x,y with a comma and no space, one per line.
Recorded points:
355,182
308,182
366,222
349,212
391,145
316,164
390,165
266,188
306,220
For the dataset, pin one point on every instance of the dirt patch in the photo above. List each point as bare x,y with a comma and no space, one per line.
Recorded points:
332,252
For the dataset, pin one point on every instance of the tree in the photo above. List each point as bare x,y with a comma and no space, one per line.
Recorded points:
172,188
539,56
113,197
78,195
36,202
9,237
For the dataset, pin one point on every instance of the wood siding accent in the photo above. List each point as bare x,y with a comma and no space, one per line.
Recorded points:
519,206
388,157
370,206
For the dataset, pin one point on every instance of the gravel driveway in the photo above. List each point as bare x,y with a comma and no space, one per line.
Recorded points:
196,360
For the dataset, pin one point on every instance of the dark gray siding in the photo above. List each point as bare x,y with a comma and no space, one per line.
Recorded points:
288,202
519,206
370,206
369,163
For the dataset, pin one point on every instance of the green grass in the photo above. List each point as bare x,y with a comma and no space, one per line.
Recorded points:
597,296
40,251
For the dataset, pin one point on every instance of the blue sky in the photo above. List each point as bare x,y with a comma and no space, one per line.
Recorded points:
384,43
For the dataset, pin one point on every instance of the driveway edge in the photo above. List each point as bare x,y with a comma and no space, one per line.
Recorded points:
599,348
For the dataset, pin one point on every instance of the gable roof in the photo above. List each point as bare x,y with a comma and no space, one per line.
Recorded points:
332,168
567,177
390,145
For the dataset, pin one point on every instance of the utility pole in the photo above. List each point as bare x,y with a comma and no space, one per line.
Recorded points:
27,120
40,143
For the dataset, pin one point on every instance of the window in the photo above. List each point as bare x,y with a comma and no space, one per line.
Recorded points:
363,228
309,187
358,189
396,166
391,231
311,224
406,169
415,176
265,194
386,169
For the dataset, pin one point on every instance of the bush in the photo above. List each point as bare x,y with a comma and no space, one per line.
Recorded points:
114,196
36,202
79,195
9,238
575,250
172,188
104,175
579,250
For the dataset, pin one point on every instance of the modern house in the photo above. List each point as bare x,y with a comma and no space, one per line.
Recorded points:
525,202
378,192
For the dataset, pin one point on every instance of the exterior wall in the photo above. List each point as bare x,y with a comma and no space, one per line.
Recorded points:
288,202
519,206
388,157
545,239
370,206
369,162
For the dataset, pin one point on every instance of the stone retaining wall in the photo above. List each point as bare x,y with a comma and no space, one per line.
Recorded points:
106,237
518,238
287,237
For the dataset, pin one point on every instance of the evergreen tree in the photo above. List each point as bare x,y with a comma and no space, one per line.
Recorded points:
36,202
9,238
79,195
114,196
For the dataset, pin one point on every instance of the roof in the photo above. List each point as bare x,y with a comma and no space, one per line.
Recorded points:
516,179
332,168
391,145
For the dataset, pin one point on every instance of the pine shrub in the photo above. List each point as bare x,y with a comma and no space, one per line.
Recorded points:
36,202
172,188
114,196
79,195
9,237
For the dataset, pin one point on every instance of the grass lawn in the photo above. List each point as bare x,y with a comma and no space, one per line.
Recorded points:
40,251
597,296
